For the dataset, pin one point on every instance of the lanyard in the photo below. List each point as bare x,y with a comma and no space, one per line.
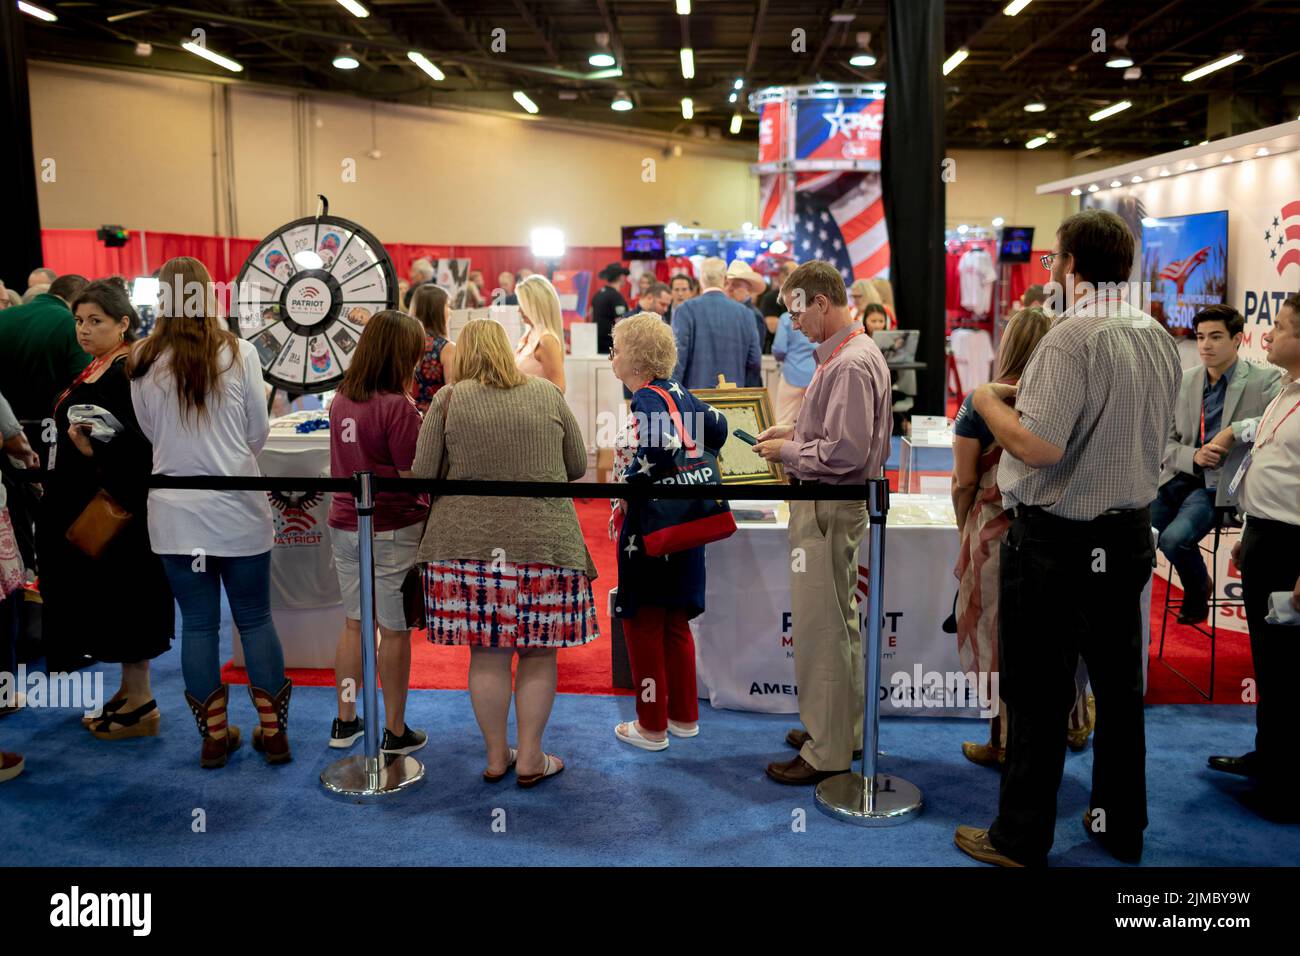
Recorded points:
1262,421
88,371
830,358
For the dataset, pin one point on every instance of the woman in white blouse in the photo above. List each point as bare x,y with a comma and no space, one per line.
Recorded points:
198,394
541,351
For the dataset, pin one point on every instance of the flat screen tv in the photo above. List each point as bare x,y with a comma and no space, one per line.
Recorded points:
1017,242
643,242
1185,264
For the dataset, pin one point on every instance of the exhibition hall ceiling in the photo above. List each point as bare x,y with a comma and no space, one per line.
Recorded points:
513,55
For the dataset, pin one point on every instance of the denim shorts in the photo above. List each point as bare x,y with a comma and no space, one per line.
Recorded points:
394,555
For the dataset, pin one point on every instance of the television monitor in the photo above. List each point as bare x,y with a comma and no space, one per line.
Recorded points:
1016,244
643,242
1185,264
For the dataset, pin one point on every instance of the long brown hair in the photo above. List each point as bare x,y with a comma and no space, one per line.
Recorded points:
1024,331
390,346
189,331
429,305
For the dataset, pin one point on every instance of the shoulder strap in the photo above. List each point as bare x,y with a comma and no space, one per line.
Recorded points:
444,467
675,415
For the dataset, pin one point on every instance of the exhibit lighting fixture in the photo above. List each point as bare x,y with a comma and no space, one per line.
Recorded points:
601,59
1121,62
997,222
1014,7
40,13
736,122
739,84
1076,191
684,8
688,108
863,59
1093,188
1227,159
1035,107
1136,179
547,242
622,102
424,63
354,8
688,63
1262,151
1111,110
1115,184
1164,172
1036,142
211,57
345,60
1192,167
733,97
955,60
611,73
1218,64
522,99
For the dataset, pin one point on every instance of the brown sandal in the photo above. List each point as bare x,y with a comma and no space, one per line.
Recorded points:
498,777
533,779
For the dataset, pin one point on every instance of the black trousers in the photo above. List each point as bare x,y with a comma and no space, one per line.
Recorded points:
1071,588
1270,561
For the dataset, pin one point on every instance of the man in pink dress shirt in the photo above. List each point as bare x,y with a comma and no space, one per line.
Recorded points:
840,437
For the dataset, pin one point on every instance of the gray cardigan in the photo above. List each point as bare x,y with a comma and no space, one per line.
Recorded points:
525,433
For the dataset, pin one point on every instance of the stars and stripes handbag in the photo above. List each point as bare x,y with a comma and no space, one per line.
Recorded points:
669,526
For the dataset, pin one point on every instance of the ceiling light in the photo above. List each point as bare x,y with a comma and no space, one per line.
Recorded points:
1036,142
346,60
354,8
1035,107
424,63
1262,151
522,99
997,222
547,242
211,57
1218,64
1115,184
40,13
1050,135
609,74
622,102
844,16
1121,62
1164,172
1133,73
1110,110
601,59
1076,191
1093,188
684,7
1014,7
1136,179
739,85
862,60
955,60
963,229
1191,167
733,97
688,107
688,63
1226,159
736,121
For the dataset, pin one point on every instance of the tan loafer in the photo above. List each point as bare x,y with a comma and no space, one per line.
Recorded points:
975,843
986,755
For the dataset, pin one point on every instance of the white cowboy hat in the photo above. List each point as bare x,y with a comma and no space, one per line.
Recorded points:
742,270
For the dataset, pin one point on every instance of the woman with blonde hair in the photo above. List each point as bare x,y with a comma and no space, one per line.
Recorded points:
981,523
541,351
505,576
198,394
861,294
436,367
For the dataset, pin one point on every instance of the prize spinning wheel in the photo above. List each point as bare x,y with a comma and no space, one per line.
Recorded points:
304,295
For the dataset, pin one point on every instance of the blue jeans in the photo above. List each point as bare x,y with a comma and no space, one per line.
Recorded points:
248,589
1183,513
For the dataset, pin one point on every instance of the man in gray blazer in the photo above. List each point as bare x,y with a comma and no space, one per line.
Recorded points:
1214,399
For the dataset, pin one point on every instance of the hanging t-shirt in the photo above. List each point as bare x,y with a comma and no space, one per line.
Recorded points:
977,279
972,349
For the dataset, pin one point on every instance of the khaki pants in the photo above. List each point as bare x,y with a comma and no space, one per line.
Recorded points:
788,399
827,644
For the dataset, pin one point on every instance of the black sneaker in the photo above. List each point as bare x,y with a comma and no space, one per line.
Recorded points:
346,733
409,742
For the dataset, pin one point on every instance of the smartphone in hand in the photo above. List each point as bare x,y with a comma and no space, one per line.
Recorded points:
746,437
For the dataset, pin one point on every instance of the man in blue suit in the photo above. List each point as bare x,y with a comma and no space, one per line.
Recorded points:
716,336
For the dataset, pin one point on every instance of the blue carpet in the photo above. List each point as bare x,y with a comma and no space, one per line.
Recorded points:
705,801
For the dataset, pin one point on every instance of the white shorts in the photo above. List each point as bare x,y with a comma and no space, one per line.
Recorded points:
394,555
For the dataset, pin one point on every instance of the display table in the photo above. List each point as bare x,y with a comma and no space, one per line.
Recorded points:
305,602
744,643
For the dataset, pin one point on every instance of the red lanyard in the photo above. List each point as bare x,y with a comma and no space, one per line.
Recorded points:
847,339
1263,420
86,372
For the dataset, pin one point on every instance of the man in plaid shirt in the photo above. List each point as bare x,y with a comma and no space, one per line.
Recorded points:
1083,443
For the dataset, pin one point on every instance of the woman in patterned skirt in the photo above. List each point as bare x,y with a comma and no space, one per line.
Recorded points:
506,576
982,521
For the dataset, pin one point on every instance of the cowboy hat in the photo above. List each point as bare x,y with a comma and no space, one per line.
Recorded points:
742,271
612,272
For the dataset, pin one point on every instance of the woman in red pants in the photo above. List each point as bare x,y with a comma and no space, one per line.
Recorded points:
657,597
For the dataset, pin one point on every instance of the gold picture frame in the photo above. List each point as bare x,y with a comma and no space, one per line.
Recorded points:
750,410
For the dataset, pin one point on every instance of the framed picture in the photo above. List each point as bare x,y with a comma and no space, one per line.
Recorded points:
750,410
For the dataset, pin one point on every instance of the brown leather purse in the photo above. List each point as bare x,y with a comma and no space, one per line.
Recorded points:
99,523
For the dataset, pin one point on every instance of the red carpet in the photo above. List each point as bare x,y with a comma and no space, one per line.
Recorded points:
587,670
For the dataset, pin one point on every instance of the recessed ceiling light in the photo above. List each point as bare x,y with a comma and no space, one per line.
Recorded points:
1226,159
622,102
1035,107
1164,172
601,60
1262,151
1121,62
1076,191
1191,167
1115,184
1136,179
1093,188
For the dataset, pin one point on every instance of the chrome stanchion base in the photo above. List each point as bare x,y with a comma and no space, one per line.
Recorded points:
892,801
350,779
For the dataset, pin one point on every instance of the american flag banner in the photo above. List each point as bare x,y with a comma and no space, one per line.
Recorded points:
1180,271
840,217
1287,227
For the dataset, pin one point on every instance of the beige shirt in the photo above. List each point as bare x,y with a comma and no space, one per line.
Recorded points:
1271,486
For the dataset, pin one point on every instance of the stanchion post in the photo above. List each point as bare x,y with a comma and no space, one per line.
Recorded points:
366,777
871,798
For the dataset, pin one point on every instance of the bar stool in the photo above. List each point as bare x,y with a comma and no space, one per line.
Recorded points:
1226,523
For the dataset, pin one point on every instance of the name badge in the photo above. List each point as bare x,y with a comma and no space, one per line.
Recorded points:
1241,473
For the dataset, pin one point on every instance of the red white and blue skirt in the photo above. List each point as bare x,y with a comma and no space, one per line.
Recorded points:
498,604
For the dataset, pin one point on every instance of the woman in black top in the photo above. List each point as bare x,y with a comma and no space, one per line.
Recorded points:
80,594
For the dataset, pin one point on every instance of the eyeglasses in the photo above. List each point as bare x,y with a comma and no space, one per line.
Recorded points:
612,351
1047,259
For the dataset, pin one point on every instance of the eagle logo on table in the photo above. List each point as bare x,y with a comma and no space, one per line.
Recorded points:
294,510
